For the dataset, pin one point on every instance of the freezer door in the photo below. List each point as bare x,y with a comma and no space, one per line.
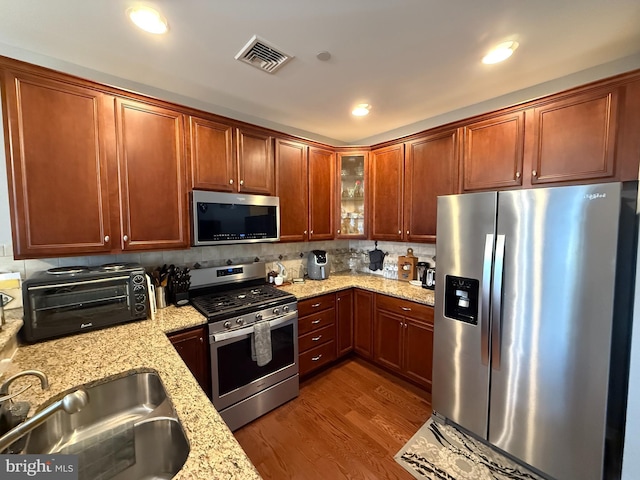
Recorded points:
550,351
465,242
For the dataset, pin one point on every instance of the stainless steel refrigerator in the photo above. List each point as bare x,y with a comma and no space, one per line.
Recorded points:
532,325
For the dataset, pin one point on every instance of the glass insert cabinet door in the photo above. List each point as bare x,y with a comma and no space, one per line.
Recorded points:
351,192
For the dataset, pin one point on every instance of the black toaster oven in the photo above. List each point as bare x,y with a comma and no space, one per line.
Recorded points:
67,300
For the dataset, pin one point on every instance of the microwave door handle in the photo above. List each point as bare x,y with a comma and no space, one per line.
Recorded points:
219,337
486,298
496,304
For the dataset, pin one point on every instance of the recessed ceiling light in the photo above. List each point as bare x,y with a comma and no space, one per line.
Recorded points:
500,53
148,20
361,110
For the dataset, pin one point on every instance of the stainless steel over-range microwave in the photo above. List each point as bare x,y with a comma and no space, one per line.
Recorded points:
223,218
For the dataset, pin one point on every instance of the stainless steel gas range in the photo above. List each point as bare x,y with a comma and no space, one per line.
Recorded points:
234,299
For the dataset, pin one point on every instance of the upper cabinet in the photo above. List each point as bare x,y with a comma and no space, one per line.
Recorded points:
351,198
152,165
492,152
321,193
292,188
387,178
431,170
213,165
59,140
574,138
255,162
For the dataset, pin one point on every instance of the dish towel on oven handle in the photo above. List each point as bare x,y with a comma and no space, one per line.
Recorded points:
261,343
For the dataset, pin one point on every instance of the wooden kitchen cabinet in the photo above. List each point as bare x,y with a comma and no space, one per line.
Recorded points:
352,208
403,332
213,163
321,193
574,138
60,145
153,188
386,192
192,345
293,189
492,152
316,332
431,169
344,322
363,323
256,164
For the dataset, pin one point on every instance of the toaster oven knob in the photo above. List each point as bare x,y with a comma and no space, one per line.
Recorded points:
285,308
240,321
276,311
140,307
258,316
227,324
138,279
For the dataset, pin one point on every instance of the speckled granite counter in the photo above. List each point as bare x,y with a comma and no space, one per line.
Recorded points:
89,357
334,283
85,358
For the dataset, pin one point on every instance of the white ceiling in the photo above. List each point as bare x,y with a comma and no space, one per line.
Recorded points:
411,59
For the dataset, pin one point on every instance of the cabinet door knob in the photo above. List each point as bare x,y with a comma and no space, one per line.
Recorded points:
399,232
517,174
125,238
201,340
241,182
338,231
311,232
534,173
107,238
407,232
305,232
231,181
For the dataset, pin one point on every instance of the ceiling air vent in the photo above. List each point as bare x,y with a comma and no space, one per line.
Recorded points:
263,55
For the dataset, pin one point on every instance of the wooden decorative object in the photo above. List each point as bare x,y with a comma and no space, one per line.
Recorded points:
407,266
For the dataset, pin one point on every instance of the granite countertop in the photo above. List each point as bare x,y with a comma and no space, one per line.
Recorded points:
85,358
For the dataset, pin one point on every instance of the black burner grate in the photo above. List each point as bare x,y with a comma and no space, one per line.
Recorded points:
240,299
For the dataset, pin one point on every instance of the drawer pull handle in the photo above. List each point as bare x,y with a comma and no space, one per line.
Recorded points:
315,339
406,309
315,322
315,359
316,305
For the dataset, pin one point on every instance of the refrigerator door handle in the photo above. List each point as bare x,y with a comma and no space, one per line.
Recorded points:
496,304
486,298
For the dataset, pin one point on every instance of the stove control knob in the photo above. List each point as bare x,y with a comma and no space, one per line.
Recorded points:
227,324
285,308
276,311
240,321
258,316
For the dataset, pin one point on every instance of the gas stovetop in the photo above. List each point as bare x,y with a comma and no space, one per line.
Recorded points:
220,306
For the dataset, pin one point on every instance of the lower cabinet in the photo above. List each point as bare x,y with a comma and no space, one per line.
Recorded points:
363,323
192,346
394,333
403,332
316,332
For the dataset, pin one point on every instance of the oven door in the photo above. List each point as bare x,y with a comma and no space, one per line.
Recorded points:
235,376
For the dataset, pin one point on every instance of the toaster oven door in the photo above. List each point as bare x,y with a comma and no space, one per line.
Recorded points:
69,307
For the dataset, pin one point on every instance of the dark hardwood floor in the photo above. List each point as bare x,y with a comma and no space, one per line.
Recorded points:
348,422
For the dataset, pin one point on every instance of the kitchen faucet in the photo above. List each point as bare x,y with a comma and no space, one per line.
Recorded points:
71,403
44,381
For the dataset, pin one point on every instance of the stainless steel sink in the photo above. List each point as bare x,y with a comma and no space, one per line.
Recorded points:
128,429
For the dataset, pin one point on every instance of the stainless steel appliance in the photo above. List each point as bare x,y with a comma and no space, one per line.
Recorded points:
66,300
318,265
533,311
221,218
233,298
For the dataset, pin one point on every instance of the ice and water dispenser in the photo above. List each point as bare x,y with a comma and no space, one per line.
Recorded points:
461,299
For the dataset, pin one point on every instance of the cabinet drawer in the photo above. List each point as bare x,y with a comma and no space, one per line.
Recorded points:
315,304
317,357
314,322
408,308
316,337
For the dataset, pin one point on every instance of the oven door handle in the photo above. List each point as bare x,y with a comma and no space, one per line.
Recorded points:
219,337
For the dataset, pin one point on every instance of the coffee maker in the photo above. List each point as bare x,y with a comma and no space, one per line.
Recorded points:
426,275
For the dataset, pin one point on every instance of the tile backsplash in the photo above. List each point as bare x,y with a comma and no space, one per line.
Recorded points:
344,255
